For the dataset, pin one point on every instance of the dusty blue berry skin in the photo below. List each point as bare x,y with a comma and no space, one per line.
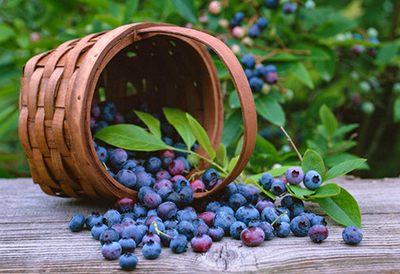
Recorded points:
186,228
143,179
254,222
312,180
126,177
317,220
266,180
102,153
100,125
165,241
269,214
128,261
249,73
237,228
127,245
164,192
296,210
134,232
263,204
249,192
129,165
186,215
213,206
268,230
254,31
224,221
226,209
210,175
271,4
151,250
246,214
352,235
139,211
282,229
289,8
109,234
252,236
117,157
179,244
216,233
76,223
171,223
271,78
180,184
318,233
107,111
262,22
152,200
143,191
237,200
112,217
93,219
111,250
201,243
278,187
248,61
239,16
166,210
294,175
187,196
300,226
201,229
97,230
256,84
153,165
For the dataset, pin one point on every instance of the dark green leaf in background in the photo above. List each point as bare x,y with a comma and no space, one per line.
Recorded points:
387,52
343,208
271,110
328,120
396,110
186,9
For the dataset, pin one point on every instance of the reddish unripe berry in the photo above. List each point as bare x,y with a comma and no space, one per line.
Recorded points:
197,186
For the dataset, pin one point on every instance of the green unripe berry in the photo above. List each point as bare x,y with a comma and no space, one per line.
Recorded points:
265,89
365,86
248,42
367,107
354,75
372,32
193,160
310,4
396,88
288,95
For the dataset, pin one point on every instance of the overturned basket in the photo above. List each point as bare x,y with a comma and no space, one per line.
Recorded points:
167,65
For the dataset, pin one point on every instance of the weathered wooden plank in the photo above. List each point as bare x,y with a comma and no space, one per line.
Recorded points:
34,238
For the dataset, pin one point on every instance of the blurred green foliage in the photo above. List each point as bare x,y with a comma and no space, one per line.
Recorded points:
341,104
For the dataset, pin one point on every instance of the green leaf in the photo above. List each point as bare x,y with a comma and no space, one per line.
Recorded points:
312,161
131,137
298,191
6,32
335,24
201,136
345,129
232,128
328,120
337,158
387,52
266,147
131,8
102,4
326,190
234,100
396,110
343,168
343,208
274,172
239,146
232,163
221,156
152,123
186,9
177,118
110,20
299,71
271,110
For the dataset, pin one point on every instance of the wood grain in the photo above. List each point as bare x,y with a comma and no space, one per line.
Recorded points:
34,237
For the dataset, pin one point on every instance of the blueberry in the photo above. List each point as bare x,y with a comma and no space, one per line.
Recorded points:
239,16
76,223
229,190
262,22
125,204
237,200
312,180
141,221
127,221
180,184
179,244
213,206
160,226
171,223
254,222
271,4
278,187
288,201
268,230
271,78
246,214
128,261
201,243
93,219
166,241
139,211
111,250
236,229
143,179
254,31
165,161
289,8
300,226
97,230
152,200
270,68
109,234
294,175
163,175
161,183
256,84
187,164
296,210
186,228
182,146
175,198
118,119
266,180
216,233
284,214
164,192
234,23
186,195
119,228
112,217
129,164
136,232
224,220
352,235
197,186
210,175
248,61
318,233
200,229
108,111
317,220
263,204
214,183
153,165
127,245
101,153
95,111
126,177
269,214
176,167
249,73
100,125
166,210
151,250
282,229
151,236
252,236
117,157
208,217
142,191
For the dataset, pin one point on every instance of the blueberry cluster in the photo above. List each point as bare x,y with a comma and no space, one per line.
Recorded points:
358,50
259,76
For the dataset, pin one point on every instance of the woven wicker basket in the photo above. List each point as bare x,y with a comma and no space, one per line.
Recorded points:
166,65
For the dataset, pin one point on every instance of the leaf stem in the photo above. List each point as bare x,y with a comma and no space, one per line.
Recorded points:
293,145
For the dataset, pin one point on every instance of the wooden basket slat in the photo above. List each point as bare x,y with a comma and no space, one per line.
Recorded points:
58,132
23,132
33,92
43,171
51,93
39,130
31,65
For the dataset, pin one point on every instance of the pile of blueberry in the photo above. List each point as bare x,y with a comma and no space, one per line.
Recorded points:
162,218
